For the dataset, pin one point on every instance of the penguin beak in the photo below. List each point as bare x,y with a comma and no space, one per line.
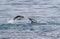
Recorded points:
22,16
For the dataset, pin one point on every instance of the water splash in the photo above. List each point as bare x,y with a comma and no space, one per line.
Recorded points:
11,21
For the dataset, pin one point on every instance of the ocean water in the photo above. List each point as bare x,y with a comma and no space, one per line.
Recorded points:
46,12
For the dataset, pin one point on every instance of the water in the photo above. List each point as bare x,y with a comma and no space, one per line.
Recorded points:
46,12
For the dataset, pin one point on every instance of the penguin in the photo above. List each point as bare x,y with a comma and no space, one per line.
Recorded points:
33,21
18,17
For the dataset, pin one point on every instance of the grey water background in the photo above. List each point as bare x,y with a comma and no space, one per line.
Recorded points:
46,12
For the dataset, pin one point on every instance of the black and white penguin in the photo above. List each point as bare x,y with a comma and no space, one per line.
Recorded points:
32,20
18,17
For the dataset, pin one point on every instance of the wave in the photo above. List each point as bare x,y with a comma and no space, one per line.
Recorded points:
47,23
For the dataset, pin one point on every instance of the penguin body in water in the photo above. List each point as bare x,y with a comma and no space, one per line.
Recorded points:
18,17
32,20
22,19
15,19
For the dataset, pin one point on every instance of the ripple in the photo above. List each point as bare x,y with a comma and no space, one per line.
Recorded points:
54,7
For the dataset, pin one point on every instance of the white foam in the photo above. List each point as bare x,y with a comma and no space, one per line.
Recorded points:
10,21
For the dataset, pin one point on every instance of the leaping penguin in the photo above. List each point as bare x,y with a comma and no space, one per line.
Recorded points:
32,20
18,17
